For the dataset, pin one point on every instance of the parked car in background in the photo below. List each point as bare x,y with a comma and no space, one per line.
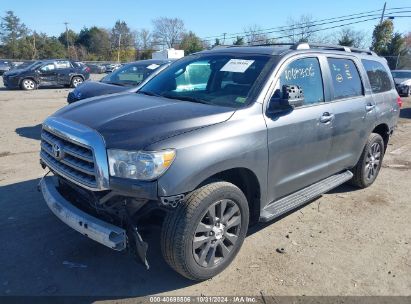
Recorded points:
23,64
5,66
217,140
122,79
46,73
402,79
97,68
110,67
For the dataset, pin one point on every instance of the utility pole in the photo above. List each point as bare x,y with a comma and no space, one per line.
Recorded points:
224,38
67,41
34,45
119,45
383,12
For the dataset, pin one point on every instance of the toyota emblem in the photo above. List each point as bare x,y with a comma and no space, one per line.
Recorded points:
57,151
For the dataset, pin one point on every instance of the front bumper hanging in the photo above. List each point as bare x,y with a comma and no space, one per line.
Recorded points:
104,233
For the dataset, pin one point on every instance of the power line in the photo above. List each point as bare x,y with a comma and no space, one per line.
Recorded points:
321,29
313,23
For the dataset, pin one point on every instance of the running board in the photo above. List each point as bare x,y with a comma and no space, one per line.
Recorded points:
303,196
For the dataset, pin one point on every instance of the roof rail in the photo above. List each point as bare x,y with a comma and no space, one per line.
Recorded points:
307,46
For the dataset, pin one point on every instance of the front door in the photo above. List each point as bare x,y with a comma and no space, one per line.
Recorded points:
299,141
48,74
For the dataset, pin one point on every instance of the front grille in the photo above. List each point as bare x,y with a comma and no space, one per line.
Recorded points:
72,160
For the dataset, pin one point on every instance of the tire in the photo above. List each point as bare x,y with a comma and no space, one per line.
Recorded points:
76,81
28,84
369,165
408,92
190,237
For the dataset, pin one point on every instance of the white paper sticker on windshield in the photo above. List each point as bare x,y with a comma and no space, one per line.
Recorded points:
237,65
152,66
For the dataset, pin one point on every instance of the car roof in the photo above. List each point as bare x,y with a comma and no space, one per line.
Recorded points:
281,49
150,61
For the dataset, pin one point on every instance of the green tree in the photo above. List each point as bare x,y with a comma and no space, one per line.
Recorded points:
122,41
72,37
239,41
11,30
96,41
191,43
382,36
49,47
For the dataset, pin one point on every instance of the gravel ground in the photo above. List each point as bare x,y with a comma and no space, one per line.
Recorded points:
348,242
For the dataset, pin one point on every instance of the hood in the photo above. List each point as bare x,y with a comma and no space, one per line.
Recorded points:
15,72
92,88
403,81
132,121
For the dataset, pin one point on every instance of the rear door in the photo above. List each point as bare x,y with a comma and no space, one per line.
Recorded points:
299,141
353,109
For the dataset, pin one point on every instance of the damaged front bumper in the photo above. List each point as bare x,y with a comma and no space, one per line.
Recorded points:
102,232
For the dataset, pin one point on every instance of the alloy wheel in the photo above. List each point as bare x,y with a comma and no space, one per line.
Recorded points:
29,84
217,233
373,161
77,81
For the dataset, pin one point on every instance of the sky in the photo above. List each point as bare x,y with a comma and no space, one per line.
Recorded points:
205,18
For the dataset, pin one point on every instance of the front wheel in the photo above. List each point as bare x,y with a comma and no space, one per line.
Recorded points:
28,84
369,164
76,81
202,236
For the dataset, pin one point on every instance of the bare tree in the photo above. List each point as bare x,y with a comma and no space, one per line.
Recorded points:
301,29
168,31
255,35
349,37
144,39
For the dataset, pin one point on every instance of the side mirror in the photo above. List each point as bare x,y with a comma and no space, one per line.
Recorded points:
291,96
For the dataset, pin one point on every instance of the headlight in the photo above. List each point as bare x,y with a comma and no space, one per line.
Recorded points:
139,165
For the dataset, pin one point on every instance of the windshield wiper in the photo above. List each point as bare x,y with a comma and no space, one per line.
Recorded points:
148,93
114,83
186,98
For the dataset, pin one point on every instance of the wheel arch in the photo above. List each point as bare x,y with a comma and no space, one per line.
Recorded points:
247,182
28,77
384,131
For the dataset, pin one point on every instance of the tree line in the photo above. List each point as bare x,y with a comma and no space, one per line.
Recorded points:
122,43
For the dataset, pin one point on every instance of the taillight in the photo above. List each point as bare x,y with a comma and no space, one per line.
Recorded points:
399,101
87,69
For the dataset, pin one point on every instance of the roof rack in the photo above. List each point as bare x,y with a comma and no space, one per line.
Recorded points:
307,46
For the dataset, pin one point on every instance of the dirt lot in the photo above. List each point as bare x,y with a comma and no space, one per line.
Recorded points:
348,242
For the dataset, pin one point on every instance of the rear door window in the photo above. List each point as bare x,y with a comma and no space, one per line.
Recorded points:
345,78
378,76
306,74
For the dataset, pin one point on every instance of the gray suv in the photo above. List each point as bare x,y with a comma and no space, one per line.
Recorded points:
219,140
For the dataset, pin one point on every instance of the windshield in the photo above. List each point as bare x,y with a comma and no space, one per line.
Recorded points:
131,74
401,74
31,66
223,79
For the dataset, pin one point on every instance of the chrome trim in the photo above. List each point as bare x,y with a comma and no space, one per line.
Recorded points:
104,233
83,136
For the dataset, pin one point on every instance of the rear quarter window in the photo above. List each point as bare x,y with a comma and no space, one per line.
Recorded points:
345,78
378,76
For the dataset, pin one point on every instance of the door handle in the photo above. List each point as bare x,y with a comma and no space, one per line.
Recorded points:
369,107
326,117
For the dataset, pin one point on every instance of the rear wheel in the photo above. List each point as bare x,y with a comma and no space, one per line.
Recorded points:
76,81
369,164
204,234
28,84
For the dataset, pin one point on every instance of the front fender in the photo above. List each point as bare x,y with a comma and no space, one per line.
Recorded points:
240,142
